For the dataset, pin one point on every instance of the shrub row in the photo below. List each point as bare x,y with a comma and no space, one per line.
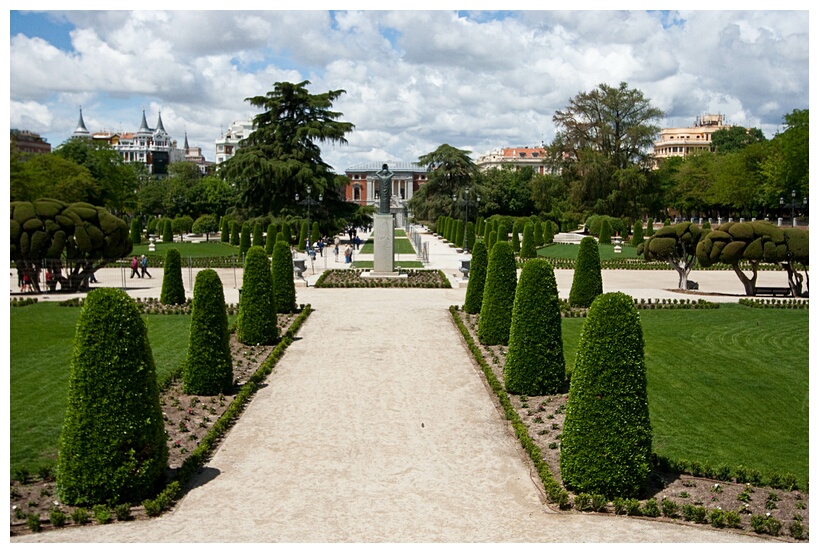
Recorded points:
740,474
775,304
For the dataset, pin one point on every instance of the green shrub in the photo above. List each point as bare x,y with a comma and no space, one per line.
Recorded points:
33,522
257,236
651,508
56,517
587,282
796,530
270,240
694,513
302,237
234,233
605,232
498,295
582,501
469,237
102,514
650,228
123,511
534,363
502,234
637,235
256,322
459,234
208,368
606,443
517,229
224,230
167,230
112,446
670,508
315,233
284,287
244,239
80,515
173,290
527,248
717,518
537,233
136,231
477,279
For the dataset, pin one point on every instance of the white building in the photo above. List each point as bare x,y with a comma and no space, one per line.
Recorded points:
537,158
682,141
227,145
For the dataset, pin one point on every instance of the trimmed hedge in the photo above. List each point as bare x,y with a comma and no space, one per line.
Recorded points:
234,233
527,247
477,279
208,368
606,443
135,231
284,287
498,295
244,239
256,322
167,230
257,238
534,364
637,235
112,446
270,240
225,230
173,290
587,282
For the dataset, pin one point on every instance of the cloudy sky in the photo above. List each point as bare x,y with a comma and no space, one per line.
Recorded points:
477,80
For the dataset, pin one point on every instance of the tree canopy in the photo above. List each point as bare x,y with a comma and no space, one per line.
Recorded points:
450,170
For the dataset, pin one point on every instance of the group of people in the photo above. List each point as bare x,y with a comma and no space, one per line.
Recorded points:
139,267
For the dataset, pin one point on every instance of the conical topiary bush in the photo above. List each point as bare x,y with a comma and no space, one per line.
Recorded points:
270,239
244,239
534,363
234,233
112,446
498,296
173,290
637,235
477,279
208,367
606,443
587,282
527,247
284,287
257,238
257,321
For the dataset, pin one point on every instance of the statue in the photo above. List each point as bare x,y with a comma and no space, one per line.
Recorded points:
385,189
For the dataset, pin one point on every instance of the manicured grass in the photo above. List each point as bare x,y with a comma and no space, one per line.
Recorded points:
214,248
569,251
401,264
41,341
402,246
725,386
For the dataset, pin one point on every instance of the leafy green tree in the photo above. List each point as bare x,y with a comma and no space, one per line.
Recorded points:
477,279
182,225
449,171
184,194
205,224
534,363
587,282
606,443
284,288
51,176
498,296
112,446
257,322
151,197
208,368
281,157
173,289
675,244
735,138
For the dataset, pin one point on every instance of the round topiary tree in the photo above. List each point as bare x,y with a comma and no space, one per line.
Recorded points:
284,287
637,236
498,296
527,247
234,233
173,290
257,323
208,368
606,443
534,363
587,282
112,447
244,239
477,279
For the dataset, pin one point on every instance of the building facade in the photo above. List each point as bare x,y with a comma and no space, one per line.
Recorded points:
537,158
29,143
363,185
682,141
228,143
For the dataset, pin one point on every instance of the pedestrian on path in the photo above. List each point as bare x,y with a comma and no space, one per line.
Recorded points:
348,254
335,251
143,264
135,267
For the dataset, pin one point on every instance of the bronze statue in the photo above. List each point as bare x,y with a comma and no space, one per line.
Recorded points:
385,189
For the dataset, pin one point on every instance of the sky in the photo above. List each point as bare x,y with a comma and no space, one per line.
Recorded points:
413,79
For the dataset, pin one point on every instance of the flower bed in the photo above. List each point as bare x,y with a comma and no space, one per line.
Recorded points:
352,278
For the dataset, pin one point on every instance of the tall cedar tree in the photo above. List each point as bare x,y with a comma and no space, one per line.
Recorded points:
587,282
477,279
449,170
534,364
606,443
112,446
173,289
281,157
257,321
498,296
209,365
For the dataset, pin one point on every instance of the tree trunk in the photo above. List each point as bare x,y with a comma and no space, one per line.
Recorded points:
748,283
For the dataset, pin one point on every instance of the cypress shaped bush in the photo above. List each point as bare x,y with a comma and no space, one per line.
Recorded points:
315,234
587,282
517,229
650,228
244,239
136,231
167,230
302,237
469,237
637,235
208,368
257,236
173,290
112,446
257,322
498,296
477,279
284,287
606,443
503,233
527,247
490,241
538,234
605,232
459,234
534,363
270,240
234,233
225,230
288,232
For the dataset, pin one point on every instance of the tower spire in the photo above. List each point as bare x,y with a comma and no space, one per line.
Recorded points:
144,126
81,130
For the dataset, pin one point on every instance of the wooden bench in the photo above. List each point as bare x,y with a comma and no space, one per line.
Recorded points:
772,291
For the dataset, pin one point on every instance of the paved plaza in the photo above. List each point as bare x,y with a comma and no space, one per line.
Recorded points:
376,426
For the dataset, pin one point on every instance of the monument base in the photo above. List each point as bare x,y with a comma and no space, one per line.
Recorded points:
377,274
383,243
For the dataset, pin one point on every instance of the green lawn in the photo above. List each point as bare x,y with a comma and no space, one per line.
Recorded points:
569,251
41,341
725,386
401,264
214,248
402,246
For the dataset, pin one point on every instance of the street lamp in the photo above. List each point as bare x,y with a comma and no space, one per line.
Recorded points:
466,214
308,202
792,205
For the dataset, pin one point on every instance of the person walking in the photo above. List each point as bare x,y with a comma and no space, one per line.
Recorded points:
335,251
135,267
143,264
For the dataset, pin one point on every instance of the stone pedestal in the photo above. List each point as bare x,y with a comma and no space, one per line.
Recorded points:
383,245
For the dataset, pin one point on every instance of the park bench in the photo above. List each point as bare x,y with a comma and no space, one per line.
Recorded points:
772,291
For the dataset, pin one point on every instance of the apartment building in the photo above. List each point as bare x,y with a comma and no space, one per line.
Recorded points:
682,141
